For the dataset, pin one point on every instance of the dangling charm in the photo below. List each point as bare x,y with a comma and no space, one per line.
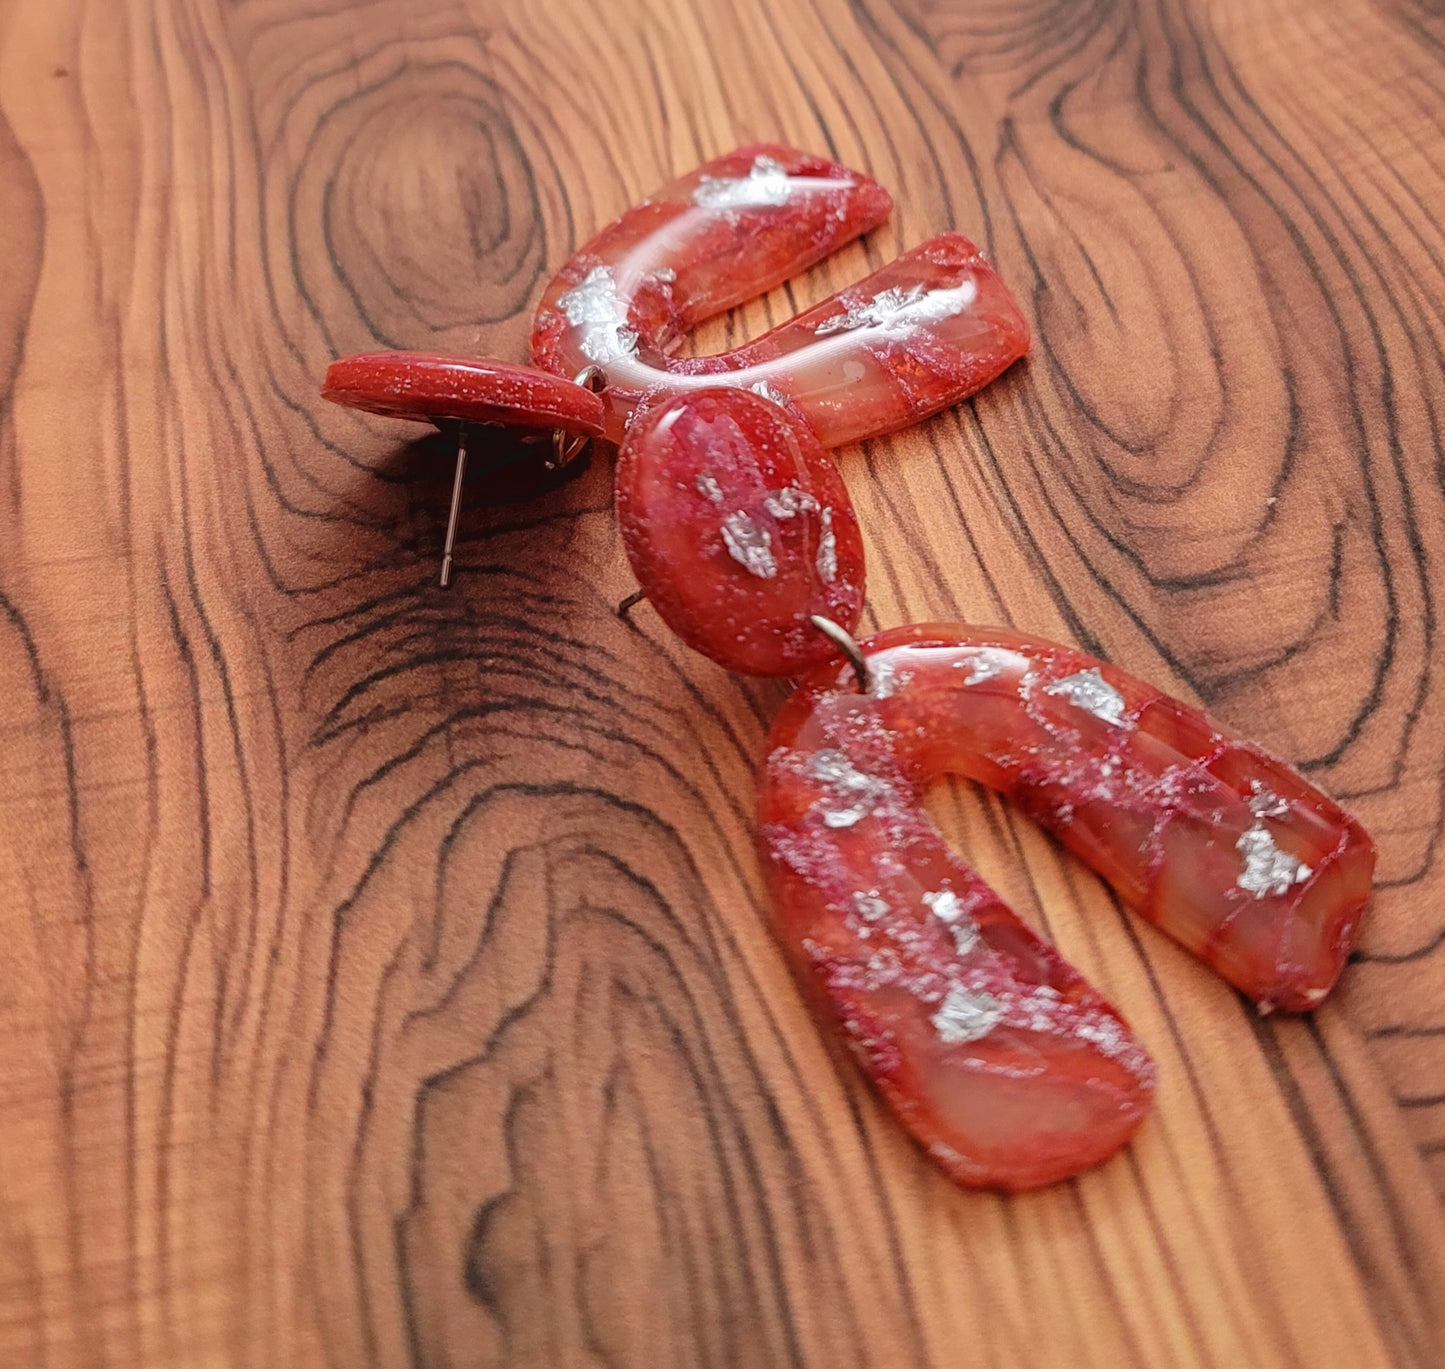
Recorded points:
993,1051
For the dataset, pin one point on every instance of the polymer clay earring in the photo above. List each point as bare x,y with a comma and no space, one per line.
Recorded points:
999,1058
923,333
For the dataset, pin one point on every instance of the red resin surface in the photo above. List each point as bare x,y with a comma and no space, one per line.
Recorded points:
433,388
923,333
738,526
993,1051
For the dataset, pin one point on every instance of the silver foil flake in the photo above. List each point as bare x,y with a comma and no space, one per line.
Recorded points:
767,183
827,558
966,1016
898,310
873,313
985,665
1265,803
850,794
761,387
1043,1009
1038,1009
595,308
965,936
946,905
887,678
710,490
869,905
1107,1033
1267,869
948,909
788,502
749,545
1090,691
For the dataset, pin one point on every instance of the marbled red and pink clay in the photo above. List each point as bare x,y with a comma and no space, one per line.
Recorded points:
996,1054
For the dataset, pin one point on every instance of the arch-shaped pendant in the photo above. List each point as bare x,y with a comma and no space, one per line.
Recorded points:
921,334
993,1051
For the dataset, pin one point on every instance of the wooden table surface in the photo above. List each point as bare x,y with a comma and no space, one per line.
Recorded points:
386,975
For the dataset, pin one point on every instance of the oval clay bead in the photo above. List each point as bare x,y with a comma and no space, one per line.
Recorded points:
739,527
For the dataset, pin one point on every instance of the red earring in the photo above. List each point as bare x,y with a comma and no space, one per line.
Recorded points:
994,1052
735,522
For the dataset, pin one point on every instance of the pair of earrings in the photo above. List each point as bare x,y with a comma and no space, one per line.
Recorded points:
994,1052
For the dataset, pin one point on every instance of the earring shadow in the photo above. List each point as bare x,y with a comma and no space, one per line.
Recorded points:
504,465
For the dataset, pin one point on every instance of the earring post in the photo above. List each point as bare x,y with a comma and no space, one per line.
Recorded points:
456,508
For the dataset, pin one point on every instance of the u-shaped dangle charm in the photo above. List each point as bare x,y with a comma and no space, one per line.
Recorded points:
923,333
992,1050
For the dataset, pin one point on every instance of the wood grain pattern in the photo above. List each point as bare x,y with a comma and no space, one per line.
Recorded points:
387,981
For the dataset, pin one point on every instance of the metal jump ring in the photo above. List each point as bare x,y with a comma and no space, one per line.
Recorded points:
567,447
845,643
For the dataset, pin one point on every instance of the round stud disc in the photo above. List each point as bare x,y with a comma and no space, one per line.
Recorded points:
436,389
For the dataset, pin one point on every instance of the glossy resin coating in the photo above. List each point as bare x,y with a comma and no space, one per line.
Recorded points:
993,1051
434,388
921,334
738,527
